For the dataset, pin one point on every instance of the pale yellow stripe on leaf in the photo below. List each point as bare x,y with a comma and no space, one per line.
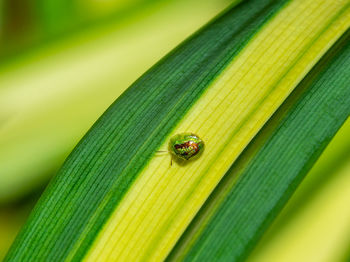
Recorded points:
164,199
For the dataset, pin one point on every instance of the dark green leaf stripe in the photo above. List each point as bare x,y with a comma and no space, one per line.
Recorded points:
267,173
98,173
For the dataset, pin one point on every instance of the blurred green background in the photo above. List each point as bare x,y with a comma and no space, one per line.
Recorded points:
62,63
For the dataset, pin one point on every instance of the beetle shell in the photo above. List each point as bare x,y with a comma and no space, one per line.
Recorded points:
186,145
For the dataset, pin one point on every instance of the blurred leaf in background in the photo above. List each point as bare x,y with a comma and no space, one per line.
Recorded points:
30,23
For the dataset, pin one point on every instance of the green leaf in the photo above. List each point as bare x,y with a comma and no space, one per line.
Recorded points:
264,177
319,207
115,198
